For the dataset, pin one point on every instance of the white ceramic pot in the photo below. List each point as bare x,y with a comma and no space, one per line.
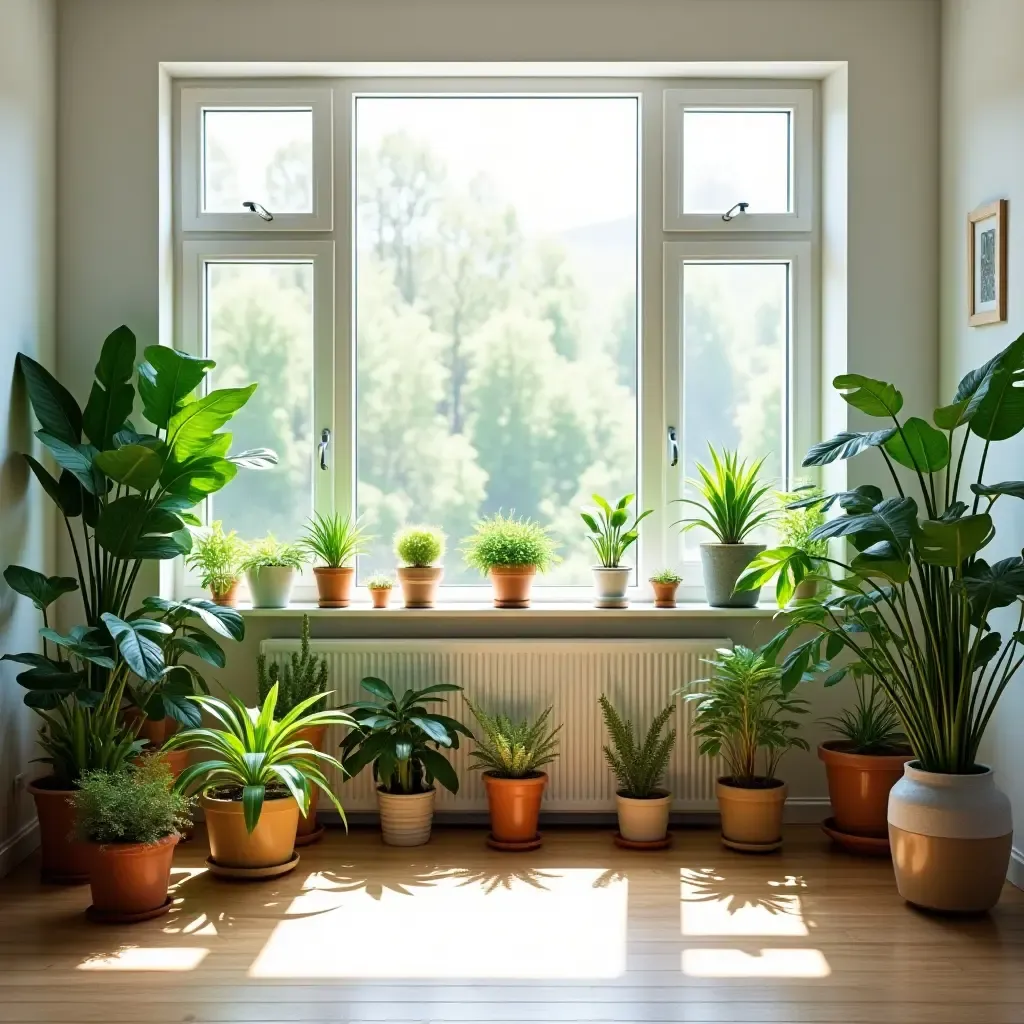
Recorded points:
271,585
405,818
610,586
643,821
950,837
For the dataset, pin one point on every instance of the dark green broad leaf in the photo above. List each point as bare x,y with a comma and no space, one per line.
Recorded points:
77,459
845,445
127,522
874,397
65,493
117,358
1000,409
95,653
197,477
166,379
991,586
135,465
882,559
41,590
1011,488
255,458
954,512
142,654
894,519
199,645
861,499
175,697
952,543
106,412
58,679
191,430
163,548
439,768
988,648
55,408
919,446
225,621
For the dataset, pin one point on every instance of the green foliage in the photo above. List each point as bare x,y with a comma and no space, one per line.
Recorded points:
335,539
611,537
256,755
871,726
666,576
380,581
514,750
795,523
419,545
731,500
272,552
402,738
217,557
136,803
303,676
743,711
639,764
506,541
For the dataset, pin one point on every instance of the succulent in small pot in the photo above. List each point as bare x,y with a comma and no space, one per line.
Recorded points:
665,583
401,739
512,551
612,536
419,549
217,557
743,714
380,586
639,764
335,540
270,566
511,754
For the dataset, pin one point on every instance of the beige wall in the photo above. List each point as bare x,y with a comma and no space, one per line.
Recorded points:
27,195
982,160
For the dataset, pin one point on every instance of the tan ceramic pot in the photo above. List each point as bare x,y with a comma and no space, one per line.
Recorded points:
665,594
380,596
272,841
512,585
406,818
130,878
515,806
315,735
226,598
751,816
64,858
419,584
858,787
334,585
643,821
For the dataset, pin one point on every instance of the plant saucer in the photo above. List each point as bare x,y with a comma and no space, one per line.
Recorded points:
520,846
252,874
650,844
734,844
311,837
114,917
870,846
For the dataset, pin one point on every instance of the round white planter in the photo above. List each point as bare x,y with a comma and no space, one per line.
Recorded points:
950,837
271,585
405,818
643,821
610,586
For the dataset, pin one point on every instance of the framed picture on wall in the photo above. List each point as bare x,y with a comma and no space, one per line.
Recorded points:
986,264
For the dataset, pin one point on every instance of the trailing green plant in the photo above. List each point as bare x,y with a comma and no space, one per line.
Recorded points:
871,726
256,756
610,534
731,501
303,676
666,576
743,712
136,803
380,581
419,546
917,600
217,557
513,750
271,552
401,738
638,763
501,541
335,539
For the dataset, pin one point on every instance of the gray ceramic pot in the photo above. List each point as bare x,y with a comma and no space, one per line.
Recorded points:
271,585
723,565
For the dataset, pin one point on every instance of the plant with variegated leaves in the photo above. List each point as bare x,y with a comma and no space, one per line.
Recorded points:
513,750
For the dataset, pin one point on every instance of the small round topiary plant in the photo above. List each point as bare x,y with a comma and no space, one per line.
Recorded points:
419,546
506,541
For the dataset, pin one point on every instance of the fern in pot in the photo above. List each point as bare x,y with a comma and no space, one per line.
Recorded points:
217,557
612,535
270,567
419,550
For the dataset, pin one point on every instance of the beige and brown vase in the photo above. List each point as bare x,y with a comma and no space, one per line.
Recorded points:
751,815
419,584
643,820
950,837
405,818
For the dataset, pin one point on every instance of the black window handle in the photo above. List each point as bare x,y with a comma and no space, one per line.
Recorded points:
673,447
325,440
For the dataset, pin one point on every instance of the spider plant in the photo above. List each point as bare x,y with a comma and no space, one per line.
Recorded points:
334,539
610,534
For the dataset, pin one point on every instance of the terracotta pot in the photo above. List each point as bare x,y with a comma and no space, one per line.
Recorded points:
130,878
176,760
272,841
315,734
664,594
64,858
153,730
405,818
380,596
858,786
751,816
610,585
334,585
227,598
512,585
419,584
643,821
515,806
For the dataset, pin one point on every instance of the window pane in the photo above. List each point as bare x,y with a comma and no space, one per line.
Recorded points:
736,156
496,315
735,342
264,156
260,328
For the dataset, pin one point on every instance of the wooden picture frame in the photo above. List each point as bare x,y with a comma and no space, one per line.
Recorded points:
986,264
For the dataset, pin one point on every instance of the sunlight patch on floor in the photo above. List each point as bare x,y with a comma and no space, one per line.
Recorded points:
710,905
147,958
765,963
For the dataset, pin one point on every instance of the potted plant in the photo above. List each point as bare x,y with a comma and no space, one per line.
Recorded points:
743,713
639,764
419,548
511,754
257,782
863,766
401,739
270,566
923,603
794,525
665,584
732,506
380,586
335,540
217,557
301,677
132,818
512,551
611,537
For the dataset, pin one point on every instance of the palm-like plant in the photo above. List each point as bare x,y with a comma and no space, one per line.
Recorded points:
334,538
254,754
871,726
513,750
610,534
637,763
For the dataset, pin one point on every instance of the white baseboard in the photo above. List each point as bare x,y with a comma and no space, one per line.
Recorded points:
1015,874
14,850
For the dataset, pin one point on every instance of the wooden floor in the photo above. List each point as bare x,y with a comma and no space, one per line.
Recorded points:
578,931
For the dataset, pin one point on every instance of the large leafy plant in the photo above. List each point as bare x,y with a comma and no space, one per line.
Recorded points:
916,597
638,762
610,534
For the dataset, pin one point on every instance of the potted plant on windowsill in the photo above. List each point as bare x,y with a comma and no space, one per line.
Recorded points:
511,754
401,740
335,540
743,712
257,782
795,521
380,586
217,557
270,566
132,818
511,551
665,583
639,765
732,506
611,538
419,549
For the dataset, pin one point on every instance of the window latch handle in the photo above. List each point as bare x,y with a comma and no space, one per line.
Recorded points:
730,214
260,210
673,447
325,440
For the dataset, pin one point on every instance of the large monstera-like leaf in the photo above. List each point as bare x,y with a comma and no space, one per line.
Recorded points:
991,586
952,542
130,528
167,378
55,408
41,590
845,445
1000,411
143,655
893,520
193,428
918,445
874,397
112,396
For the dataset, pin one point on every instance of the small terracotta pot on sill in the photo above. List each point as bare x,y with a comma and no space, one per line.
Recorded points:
419,584
334,585
512,585
226,598
664,594
380,596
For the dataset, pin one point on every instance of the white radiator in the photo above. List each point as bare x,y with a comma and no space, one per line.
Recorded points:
521,678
